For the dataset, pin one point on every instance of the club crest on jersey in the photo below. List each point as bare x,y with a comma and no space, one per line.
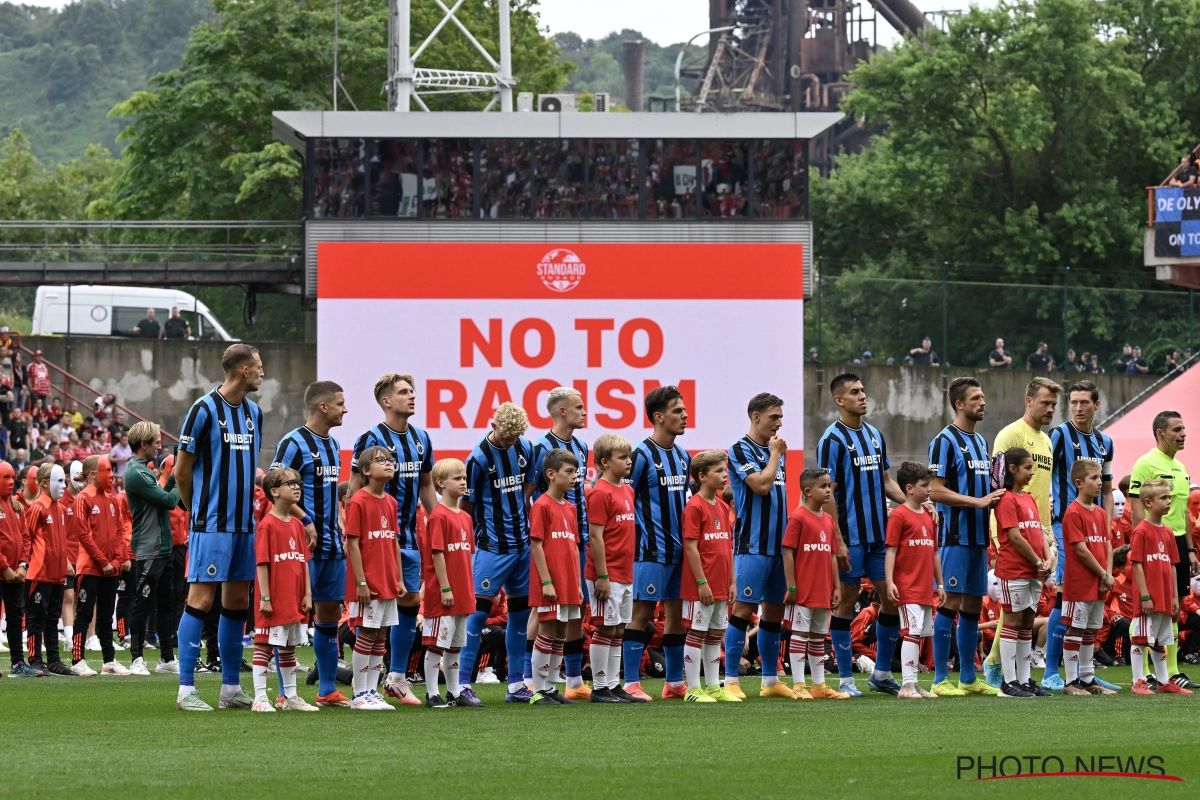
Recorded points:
485,584
83,595
1161,547
650,588
420,449
112,509
249,424
822,536
747,592
521,462
952,582
874,442
292,543
212,570
383,522
146,590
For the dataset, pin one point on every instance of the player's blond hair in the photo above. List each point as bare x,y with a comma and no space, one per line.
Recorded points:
140,433
1154,488
444,468
389,380
1039,383
609,445
510,420
557,395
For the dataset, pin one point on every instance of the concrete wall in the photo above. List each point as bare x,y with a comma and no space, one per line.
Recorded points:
161,379
908,404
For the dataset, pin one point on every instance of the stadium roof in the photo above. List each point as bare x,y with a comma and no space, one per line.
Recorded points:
294,127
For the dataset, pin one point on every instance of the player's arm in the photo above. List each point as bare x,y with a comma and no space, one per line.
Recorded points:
539,559
596,542
892,489
1106,499
760,482
264,581
937,577
426,492
940,493
464,503
1193,564
184,461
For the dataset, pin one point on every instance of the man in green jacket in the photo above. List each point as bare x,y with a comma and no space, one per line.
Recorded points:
150,506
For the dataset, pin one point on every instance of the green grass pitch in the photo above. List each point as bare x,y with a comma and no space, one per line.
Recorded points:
122,737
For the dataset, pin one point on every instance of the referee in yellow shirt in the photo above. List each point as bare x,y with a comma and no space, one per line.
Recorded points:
1041,401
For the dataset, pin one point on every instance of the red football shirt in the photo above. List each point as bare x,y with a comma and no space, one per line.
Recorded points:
1091,528
451,534
1018,511
14,537
68,503
97,524
281,546
708,524
47,523
812,538
914,536
554,524
612,507
372,520
1153,547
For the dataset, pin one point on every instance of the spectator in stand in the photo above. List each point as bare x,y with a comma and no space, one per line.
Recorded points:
176,327
814,356
1070,365
8,399
37,377
104,406
19,379
65,452
75,415
120,455
39,410
1186,174
61,429
148,328
1000,358
6,362
1040,360
1095,367
1137,365
3,443
1173,361
925,355
1124,359
86,446
118,425
6,340
55,411
18,430
20,459
866,358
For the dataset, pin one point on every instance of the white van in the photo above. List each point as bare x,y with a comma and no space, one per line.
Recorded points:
115,310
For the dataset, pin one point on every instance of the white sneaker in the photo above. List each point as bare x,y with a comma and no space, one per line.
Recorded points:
82,670
383,704
1039,659
93,644
115,668
298,703
364,701
167,668
117,644
263,705
138,667
865,664
487,676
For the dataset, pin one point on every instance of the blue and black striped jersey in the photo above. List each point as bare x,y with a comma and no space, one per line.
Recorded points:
961,458
856,459
1069,444
226,440
413,452
761,519
496,481
318,460
575,495
659,478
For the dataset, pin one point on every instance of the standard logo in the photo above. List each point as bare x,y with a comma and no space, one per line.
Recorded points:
561,270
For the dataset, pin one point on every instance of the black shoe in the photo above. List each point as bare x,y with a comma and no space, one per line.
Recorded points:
1191,658
604,696
436,701
1152,682
214,665
543,699
1035,690
60,669
624,696
1014,689
1184,682
246,667
40,666
313,676
1120,662
560,698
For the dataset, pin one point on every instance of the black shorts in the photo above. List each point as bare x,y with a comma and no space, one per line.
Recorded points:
72,583
1183,567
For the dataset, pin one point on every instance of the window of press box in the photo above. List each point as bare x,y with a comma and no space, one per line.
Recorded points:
505,174
724,171
780,179
338,178
671,179
613,178
558,178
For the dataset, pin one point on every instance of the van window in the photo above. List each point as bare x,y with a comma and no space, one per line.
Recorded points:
126,318
207,330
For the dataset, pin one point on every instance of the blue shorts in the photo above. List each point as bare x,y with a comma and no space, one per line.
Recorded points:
493,571
865,559
328,579
410,568
1060,569
654,581
759,579
215,557
965,568
582,581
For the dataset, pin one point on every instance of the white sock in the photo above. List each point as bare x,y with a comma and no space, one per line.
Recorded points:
69,632
375,663
360,665
614,663
184,691
450,670
1024,656
769,680
1158,657
1137,660
692,657
910,659
797,656
1009,639
1087,667
712,662
432,661
600,654
555,663
542,656
1072,647
260,677
395,677
816,660
230,691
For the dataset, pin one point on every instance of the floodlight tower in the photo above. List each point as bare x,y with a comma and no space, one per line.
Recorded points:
408,83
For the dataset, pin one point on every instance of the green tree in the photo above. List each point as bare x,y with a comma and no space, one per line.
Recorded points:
1017,146
200,145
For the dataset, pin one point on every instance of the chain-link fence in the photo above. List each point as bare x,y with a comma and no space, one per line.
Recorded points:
963,311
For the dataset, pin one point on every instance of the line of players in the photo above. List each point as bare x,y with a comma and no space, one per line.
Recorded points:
506,477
